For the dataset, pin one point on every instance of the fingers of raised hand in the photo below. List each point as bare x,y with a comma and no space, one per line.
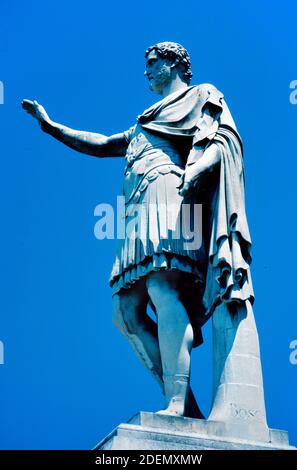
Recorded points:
27,104
36,104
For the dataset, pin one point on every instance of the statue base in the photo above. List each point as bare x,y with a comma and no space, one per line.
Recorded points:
151,431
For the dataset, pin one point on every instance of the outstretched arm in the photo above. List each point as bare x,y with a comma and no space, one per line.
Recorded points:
90,143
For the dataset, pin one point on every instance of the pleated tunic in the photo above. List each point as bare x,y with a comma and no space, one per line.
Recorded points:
162,229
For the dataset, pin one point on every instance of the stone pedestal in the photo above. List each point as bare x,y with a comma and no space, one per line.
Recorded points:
237,419
238,394
151,431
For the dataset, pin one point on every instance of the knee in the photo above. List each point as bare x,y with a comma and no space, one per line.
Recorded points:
125,315
161,293
117,314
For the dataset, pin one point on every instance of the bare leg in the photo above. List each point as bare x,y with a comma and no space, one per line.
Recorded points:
130,317
175,338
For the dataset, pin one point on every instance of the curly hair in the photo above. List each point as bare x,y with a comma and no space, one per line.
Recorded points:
173,51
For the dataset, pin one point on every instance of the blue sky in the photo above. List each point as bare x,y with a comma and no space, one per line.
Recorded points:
69,377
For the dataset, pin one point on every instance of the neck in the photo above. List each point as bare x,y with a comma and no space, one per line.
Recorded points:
174,85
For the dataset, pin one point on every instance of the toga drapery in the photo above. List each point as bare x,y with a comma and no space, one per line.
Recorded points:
169,136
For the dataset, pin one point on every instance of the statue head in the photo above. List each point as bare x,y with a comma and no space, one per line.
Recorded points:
164,61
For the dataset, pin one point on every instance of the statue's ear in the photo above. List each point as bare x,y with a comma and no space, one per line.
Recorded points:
175,63
178,66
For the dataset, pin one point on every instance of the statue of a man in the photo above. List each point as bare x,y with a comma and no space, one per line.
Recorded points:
183,150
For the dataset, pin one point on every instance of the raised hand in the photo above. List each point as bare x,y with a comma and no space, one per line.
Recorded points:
90,143
36,110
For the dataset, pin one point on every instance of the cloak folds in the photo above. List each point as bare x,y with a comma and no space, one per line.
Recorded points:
181,114
228,271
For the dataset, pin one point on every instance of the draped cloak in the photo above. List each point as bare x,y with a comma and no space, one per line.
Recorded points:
181,115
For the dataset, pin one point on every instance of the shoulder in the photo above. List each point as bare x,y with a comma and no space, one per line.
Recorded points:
207,88
208,93
128,134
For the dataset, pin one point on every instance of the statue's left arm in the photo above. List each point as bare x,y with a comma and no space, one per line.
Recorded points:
204,156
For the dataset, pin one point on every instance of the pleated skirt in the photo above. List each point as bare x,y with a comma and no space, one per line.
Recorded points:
163,231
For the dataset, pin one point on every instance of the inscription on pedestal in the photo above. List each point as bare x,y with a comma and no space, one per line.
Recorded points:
240,412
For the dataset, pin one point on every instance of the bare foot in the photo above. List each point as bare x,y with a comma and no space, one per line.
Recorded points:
175,408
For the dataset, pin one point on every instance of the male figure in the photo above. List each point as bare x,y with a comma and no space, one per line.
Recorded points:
183,150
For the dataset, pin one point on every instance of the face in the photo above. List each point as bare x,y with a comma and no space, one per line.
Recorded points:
158,71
